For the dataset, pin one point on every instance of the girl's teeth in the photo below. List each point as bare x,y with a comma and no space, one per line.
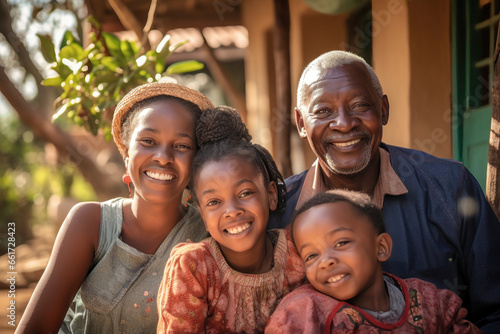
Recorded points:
335,278
159,176
238,229
349,143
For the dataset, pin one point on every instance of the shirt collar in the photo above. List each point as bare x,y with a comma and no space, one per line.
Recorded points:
388,182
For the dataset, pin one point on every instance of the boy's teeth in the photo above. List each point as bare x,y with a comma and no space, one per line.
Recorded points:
349,143
159,176
238,229
335,278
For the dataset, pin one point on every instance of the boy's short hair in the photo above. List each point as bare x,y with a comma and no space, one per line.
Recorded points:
361,202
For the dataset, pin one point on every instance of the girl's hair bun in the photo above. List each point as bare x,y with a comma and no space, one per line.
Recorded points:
220,123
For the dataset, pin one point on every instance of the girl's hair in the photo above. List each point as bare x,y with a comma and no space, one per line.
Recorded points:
130,117
221,133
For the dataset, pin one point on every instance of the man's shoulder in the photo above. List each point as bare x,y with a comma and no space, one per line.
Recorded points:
296,178
409,162
416,157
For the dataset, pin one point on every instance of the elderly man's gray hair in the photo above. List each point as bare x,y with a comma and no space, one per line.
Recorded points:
331,60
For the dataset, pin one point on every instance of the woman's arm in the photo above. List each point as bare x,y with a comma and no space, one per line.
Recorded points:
68,266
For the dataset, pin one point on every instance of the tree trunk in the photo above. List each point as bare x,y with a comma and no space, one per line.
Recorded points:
46,95
103,185
493,171
281,120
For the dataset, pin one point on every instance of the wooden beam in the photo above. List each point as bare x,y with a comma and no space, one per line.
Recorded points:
224,80
280,122
173,20
129,21
493,171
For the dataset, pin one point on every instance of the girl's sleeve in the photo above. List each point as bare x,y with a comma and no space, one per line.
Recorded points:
184,291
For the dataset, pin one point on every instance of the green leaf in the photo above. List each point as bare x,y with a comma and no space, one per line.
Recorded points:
184,67
72,51
52,81
178,45
94,22
159,65
60,111
163,47
47,48
67,39
128,50
62,70
110,63
112,44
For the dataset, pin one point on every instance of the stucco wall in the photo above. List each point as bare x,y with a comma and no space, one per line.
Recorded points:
411,55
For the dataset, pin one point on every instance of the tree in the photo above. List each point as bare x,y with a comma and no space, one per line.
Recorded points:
493,172
35,113
89,83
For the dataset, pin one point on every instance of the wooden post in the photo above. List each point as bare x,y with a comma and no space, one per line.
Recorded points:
493,171
280,122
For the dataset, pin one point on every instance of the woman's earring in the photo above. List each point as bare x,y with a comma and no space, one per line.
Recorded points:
127,180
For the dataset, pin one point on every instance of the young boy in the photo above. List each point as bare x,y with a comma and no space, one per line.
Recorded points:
340,236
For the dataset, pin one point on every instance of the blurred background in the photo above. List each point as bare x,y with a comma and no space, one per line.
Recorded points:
435,61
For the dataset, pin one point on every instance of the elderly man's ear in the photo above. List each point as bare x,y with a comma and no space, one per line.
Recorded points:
300,123
385,109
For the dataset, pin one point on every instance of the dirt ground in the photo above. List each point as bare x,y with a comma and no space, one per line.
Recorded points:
30,262
21,299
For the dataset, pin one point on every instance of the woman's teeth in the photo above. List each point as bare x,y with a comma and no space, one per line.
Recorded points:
160,176
238,229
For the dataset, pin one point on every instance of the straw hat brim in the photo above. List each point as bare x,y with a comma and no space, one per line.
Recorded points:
151,90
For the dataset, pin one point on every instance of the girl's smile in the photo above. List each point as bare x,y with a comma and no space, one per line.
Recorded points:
234,203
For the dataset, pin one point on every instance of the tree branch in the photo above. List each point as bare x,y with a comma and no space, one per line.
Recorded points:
222,77
47,131
129,21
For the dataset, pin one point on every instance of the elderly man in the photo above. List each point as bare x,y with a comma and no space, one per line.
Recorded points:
444,230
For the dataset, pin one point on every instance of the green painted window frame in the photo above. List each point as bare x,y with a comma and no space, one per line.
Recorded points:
471,93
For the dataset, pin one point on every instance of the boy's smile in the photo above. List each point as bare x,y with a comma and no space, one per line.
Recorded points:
342,254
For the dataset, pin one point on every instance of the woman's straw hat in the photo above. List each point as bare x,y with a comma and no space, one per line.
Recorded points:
150,90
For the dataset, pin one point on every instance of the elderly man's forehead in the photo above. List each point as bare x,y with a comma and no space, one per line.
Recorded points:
320,72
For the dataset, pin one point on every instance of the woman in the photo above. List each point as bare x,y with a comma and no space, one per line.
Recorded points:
109,257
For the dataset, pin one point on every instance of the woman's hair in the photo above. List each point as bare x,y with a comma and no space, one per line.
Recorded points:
360,202
221,133
130,117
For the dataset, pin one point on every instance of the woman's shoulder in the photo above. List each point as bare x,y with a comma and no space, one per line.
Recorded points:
86,215
85,218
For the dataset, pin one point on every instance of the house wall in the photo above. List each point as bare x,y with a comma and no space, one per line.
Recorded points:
411,55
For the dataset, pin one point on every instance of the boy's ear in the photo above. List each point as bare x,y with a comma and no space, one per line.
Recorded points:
384,243
272,191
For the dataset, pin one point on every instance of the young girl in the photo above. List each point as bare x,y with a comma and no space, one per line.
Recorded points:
114,253
232,281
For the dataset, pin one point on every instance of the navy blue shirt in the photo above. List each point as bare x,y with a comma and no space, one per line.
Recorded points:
443,230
